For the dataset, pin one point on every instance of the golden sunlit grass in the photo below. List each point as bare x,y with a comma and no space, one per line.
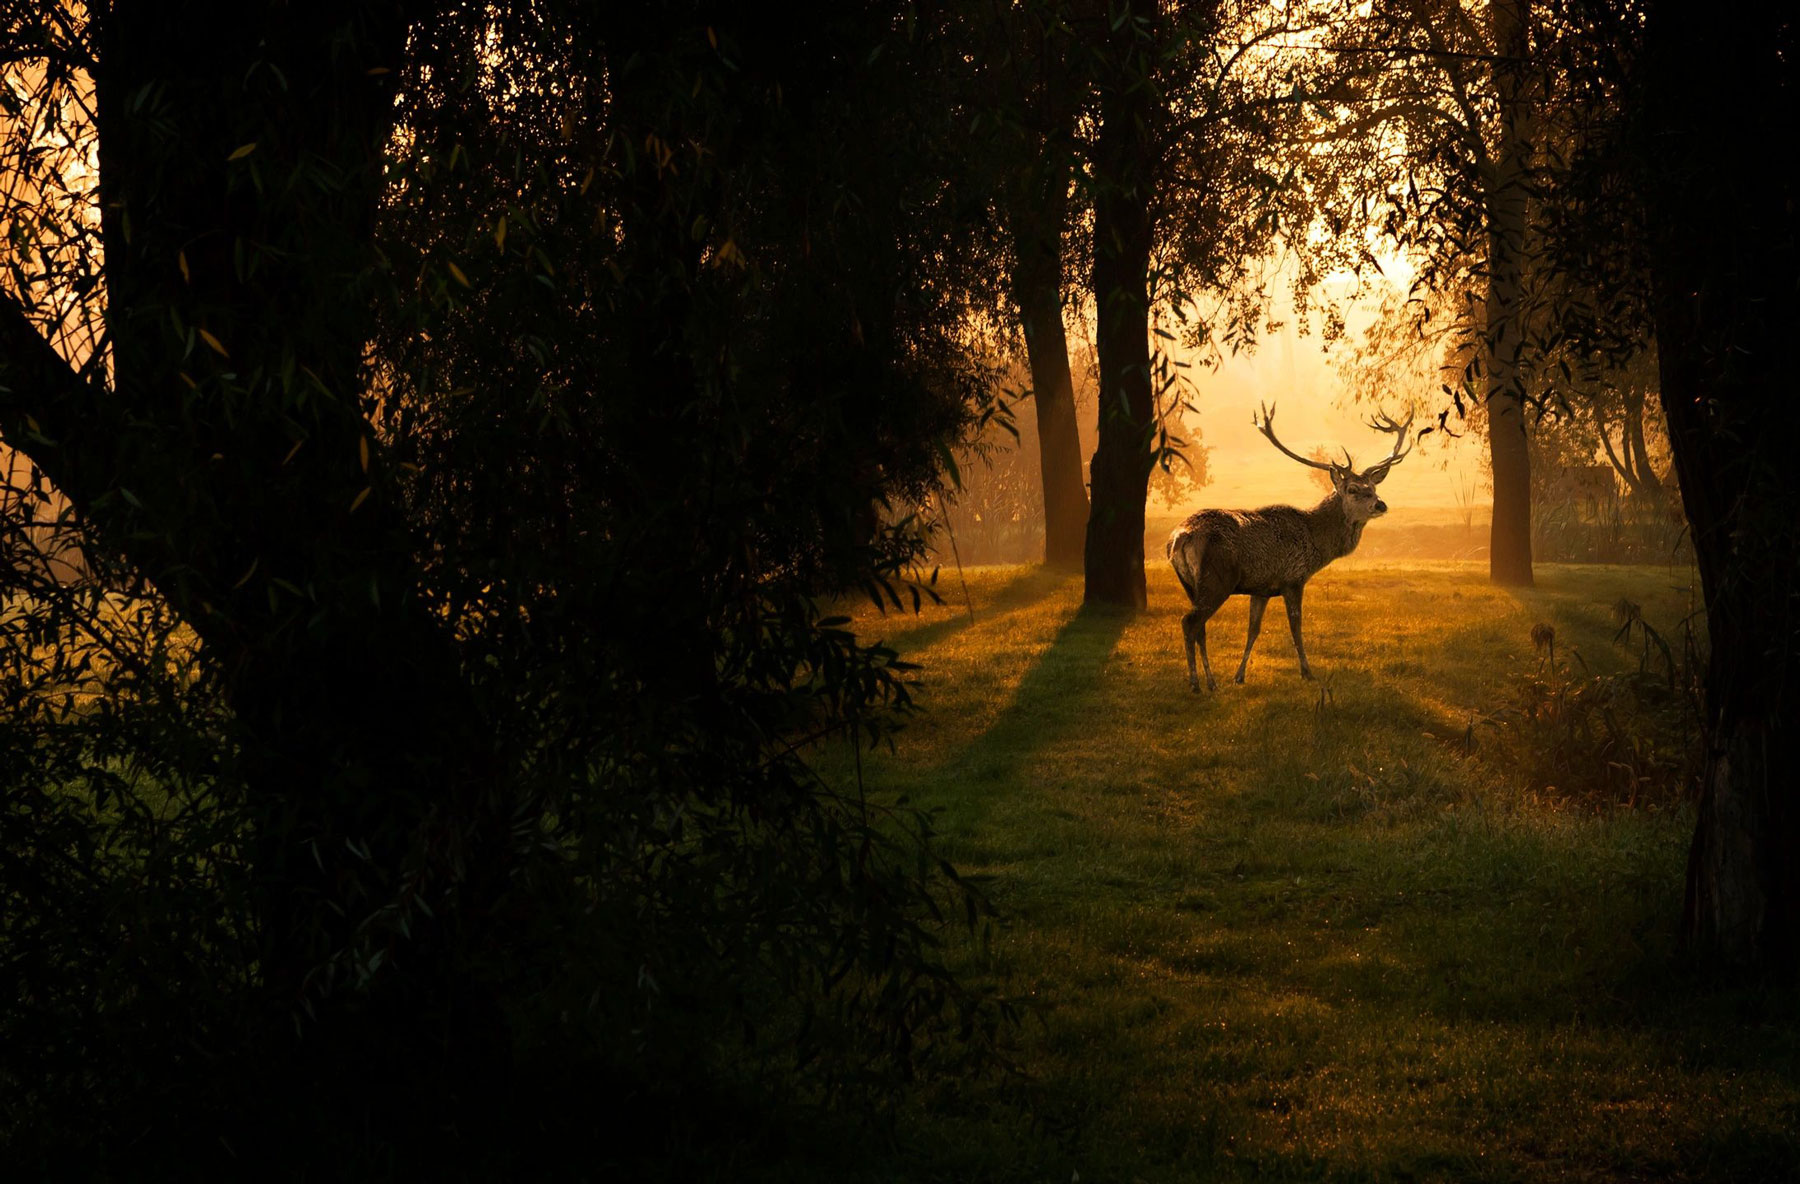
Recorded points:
1300,929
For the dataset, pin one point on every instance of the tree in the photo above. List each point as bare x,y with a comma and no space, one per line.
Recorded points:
1503,195
239,166
1185,202
1126,174
1723,261
486,398
1618,406
1438,127
1036,95
1671,210
260,278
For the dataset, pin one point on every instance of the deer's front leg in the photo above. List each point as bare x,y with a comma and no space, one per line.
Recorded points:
1257,604
1292,597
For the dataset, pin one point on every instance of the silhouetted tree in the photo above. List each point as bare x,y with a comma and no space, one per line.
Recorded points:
1716,96
1674,212
484,401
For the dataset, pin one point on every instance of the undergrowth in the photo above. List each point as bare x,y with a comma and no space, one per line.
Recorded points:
1625,737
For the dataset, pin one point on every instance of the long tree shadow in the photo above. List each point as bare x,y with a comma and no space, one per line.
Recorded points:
1027,587
1052,700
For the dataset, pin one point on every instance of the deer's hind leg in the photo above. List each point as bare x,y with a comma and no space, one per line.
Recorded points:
1193,631
1257,604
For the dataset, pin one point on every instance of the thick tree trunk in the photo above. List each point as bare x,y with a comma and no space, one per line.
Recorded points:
1037,229
230,463
1124,228
1724,259
1509,547
358,727
1743,879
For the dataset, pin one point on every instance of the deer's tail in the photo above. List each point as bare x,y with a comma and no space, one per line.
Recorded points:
1185,551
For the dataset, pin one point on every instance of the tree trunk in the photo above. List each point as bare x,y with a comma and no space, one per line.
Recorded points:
1642,478
1724,261
1743,878
1038,223
358,726
1124,227
240,166
1630,460
1509,548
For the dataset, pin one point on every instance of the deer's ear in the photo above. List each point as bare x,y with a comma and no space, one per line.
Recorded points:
1377,475
1339,479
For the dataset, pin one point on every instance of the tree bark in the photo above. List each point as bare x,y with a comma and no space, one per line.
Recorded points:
1124,228
1038,223
1509,546
1724,260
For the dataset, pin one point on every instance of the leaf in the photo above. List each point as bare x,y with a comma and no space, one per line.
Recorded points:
213,343
241,151
362,450
245,578
949,463
360,498
500,234
729,253
181,262
456,273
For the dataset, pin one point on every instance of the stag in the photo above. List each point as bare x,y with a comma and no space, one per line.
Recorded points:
1273,551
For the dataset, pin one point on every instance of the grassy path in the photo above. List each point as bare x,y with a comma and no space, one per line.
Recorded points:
1302,931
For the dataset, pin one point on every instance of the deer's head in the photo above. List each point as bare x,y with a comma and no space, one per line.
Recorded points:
1356,489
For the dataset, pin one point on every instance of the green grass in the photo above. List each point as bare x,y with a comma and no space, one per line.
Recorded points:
1299,930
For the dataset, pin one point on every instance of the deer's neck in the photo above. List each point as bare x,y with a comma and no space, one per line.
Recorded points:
1334,534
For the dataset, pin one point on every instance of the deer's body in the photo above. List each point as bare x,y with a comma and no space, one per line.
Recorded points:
1262,552
1218,554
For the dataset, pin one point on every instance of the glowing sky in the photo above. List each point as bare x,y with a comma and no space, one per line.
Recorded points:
1313,409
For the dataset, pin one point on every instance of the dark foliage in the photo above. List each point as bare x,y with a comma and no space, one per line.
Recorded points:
404,739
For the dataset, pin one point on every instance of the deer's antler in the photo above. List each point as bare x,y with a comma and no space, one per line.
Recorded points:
1383,422
1267,428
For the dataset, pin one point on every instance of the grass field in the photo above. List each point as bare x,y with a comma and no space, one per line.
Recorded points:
1335,930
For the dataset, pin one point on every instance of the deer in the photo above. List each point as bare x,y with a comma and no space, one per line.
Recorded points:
1273,551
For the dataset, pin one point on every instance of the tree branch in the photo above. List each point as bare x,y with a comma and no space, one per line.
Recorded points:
47,410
